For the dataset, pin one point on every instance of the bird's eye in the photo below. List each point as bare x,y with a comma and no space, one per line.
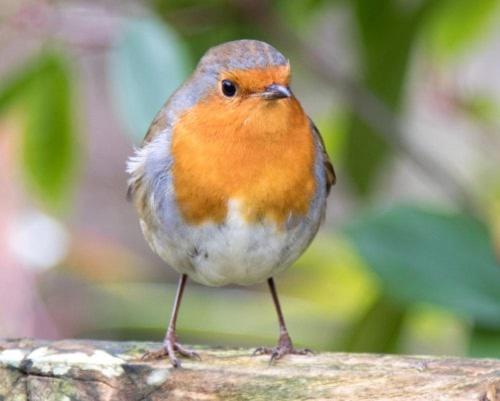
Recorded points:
228,88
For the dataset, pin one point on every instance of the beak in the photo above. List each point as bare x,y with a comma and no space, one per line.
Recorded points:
276,91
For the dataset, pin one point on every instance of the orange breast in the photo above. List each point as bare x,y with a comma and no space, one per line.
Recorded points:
258,152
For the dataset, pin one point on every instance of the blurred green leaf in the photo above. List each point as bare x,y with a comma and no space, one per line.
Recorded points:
481,108
296,13
14,87
485,343
49,143
387,29
425,255
454,24
378,330
431,330
343,286
148,63
333,130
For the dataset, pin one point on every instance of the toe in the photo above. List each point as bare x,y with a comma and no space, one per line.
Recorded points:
163,353
305,351
174,361
262,351
280,352
186,352
277,354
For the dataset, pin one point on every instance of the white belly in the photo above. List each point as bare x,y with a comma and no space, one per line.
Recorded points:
235,252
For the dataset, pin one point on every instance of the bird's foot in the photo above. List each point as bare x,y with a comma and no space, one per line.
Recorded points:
284,347
169,349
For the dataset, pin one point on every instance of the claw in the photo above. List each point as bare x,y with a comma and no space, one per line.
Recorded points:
283,348
186,352
279,352
262,351
274,357
169,350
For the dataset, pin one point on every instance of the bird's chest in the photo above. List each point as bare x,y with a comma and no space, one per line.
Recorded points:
233,251
268,170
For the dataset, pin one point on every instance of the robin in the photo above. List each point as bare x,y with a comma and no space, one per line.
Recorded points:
231,180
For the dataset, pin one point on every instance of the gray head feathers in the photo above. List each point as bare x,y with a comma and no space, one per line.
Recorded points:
240,54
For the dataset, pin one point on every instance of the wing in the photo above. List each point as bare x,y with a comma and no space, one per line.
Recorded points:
159,124
331,178
135,165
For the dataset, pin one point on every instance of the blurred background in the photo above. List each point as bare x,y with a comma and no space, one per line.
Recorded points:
407,96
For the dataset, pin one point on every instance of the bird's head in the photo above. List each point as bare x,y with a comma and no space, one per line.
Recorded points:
240,89
246,70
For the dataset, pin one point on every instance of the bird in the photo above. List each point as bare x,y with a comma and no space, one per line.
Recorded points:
231,180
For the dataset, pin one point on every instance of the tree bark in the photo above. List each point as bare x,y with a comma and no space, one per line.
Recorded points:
77,370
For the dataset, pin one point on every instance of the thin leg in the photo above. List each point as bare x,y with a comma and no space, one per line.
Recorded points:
285,345
170,344
177,303
281,319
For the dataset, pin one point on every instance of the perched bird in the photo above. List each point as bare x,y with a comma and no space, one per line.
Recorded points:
231,180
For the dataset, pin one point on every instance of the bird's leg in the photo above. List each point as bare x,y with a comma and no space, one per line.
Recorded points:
285,345
170,344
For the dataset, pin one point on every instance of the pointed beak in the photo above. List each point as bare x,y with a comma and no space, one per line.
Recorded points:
276,91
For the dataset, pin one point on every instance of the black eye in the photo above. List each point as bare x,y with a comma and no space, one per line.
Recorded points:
228,88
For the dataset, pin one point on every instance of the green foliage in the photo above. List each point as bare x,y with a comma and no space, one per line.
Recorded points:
43,90
333,131
480,108
456,23
49,142
429,329
209,23
485,343
369,335
15,86
149,62
387,29
424,255
296,13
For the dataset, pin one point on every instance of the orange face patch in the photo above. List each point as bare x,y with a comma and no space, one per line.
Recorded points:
255,151
255,80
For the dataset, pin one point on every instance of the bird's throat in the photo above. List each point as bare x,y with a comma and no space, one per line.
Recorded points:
259,153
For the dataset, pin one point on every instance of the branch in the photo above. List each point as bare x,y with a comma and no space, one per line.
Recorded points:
96,370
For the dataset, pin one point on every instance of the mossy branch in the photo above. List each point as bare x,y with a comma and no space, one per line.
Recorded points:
79,370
